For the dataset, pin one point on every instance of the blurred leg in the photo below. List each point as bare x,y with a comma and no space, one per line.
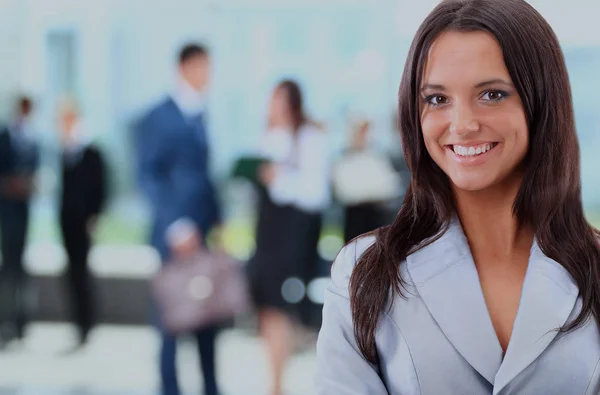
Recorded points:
276,330
168,372
20,242
206,339
14,232
10,274
77,246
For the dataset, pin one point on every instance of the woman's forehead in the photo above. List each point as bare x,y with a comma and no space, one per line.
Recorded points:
464,58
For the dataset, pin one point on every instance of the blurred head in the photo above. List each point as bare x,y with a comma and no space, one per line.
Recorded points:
286,109
24,107
68,118
194,66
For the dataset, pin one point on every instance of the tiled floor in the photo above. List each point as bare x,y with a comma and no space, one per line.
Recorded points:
122,361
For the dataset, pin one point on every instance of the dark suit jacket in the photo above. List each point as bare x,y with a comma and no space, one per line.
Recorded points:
84,188
16,158
173,171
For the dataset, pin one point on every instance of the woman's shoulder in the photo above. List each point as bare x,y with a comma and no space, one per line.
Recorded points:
313,138
314,129
346,260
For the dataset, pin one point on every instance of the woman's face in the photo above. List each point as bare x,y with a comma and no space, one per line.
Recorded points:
279,110
472,117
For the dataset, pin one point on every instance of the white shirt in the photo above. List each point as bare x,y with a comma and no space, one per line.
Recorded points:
77,140
303,176
189,101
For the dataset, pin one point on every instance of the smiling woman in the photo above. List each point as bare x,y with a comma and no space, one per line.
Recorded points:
488,282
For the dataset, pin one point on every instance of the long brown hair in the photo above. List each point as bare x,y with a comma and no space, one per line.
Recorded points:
295,102
549,198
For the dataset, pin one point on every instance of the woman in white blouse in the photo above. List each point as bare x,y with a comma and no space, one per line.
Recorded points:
295,192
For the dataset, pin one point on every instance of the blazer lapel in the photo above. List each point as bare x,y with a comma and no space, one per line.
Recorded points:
547,300
446,279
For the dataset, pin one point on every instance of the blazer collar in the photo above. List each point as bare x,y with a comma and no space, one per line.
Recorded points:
446,278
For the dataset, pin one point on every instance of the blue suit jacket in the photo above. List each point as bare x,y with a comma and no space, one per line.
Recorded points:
440,338
173,171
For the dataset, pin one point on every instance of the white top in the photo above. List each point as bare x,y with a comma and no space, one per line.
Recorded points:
304,168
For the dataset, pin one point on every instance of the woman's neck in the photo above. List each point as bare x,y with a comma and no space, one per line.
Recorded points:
489,223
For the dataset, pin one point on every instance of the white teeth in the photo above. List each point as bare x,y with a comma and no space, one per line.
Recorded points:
473,150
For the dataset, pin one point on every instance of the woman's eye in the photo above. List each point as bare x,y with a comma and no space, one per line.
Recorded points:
436,100
494,96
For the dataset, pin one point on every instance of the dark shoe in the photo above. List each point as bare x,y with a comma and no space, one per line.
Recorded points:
73,350
8,334
81,343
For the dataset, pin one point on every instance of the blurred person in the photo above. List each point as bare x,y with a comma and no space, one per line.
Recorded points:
83,198
365,182
488,281
19,162
173,172
291,203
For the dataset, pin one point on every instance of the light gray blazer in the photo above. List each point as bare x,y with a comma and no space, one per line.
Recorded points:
440,339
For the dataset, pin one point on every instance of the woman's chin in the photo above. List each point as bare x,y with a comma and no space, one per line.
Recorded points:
470,185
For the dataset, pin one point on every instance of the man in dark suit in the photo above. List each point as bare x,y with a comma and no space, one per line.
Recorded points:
82,199
173,172
19,161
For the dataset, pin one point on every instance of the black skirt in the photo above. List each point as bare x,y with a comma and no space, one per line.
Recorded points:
286,257
363,218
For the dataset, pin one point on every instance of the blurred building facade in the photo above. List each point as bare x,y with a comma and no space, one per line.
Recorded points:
118,58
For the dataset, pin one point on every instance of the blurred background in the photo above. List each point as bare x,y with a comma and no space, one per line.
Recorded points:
118,58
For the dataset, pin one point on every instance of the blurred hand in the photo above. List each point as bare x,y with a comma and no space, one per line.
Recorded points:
217,240
187,247
267,173
18,187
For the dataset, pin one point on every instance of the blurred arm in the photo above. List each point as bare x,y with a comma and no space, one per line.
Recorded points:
19,186
214,201
99,183
306,185
152,163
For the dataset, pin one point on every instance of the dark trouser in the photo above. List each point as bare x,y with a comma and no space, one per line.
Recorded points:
77,245
205,339
14,220
205,343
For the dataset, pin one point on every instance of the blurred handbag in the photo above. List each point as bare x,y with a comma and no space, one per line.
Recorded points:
207,289
365,177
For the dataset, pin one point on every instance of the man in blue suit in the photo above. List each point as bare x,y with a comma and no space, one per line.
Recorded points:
173,173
